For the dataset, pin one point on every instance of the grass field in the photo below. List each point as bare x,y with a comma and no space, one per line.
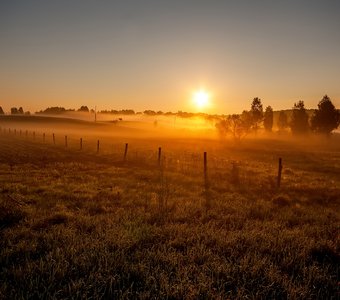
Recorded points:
77,224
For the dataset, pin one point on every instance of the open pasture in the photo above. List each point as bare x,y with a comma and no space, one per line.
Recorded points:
87,222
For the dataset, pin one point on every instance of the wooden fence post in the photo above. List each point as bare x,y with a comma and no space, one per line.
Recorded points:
26,132
206,182
81,143
126,150
20,132
98,146
279,173
66,141
53,138
205,170
44,137
15,132
159,155
33,135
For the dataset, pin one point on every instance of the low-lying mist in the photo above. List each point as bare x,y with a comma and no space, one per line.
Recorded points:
192,132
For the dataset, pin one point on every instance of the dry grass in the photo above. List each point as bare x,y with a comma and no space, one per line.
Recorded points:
77,225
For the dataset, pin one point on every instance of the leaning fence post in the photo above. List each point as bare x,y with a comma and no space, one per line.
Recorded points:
98,146
126,150
279,173
81,143
65,140
159,155
53,138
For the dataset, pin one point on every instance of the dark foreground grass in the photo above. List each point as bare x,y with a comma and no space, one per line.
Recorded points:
84,226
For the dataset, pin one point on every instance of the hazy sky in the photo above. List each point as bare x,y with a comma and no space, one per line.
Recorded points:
153,54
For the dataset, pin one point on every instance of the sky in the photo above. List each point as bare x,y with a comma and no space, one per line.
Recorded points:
154,54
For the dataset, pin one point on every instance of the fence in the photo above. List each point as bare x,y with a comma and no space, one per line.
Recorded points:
209,168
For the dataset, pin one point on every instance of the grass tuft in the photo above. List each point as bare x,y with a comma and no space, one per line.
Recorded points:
11,213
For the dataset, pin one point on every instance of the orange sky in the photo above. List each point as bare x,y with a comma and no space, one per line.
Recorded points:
155,54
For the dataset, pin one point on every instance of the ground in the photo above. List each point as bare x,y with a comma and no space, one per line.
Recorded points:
77,224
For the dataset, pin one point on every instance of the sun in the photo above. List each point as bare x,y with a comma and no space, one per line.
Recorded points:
201,99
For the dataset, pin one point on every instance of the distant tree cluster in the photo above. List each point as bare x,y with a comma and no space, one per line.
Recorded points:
324,120
118,112
84,109
18,111
1,111
54,110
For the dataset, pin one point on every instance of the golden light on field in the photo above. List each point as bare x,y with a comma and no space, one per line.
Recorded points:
201,99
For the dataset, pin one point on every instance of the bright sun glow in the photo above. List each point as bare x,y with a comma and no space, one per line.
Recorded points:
201,99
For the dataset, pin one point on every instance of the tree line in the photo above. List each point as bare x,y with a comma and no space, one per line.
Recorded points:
15,111
324,119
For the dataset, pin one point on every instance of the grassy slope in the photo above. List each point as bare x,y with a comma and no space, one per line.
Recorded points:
76,224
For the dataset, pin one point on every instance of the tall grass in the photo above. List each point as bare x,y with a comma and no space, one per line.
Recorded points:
77,226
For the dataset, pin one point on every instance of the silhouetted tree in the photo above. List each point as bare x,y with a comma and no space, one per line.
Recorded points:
236,125
149,112
282,122
53,110
14,111
20,111
268,119
1,111
247,121
299,122
256,111
326,118
84,108
127,112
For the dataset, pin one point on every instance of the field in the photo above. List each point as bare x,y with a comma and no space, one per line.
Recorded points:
90,223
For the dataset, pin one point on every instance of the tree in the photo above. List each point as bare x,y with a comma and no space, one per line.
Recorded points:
282,122
326,118
268,119
299,123
256,111
236,125
1,111
20,111
14,111
149,112
84,108
53,110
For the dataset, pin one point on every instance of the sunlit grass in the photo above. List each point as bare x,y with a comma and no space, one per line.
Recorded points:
80,224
